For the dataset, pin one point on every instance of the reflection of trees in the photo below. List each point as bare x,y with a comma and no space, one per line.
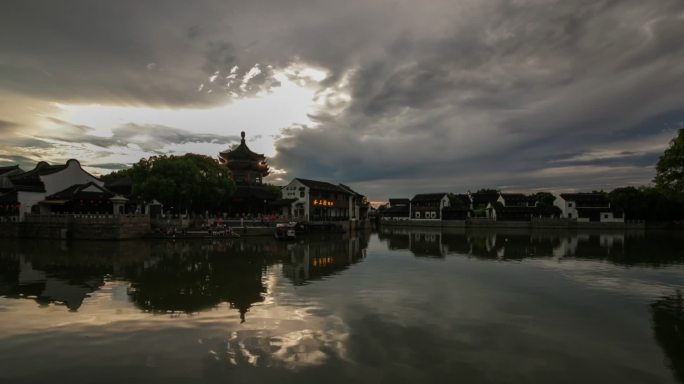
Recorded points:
668,329
46,273
189,277
626,248
165,276
323,256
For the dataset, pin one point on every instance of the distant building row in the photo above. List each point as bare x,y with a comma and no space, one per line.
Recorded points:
582,207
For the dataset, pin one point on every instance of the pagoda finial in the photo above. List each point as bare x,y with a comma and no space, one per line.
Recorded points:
243,136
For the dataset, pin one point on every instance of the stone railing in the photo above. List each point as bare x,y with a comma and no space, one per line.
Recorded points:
86,218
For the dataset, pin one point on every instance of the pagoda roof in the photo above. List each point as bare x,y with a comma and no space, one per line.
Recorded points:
241,152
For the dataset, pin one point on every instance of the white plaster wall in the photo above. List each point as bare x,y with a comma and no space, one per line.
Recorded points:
566,210
445,202
27,200
501,200
611,218
560,203
289,193
72,174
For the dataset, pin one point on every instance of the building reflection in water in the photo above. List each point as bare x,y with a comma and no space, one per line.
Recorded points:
314,259
170,277
619,247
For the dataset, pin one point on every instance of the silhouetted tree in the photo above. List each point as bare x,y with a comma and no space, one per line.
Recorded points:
191,181
670,167
544,198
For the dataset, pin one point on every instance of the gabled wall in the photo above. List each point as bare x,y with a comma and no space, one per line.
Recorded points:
293,191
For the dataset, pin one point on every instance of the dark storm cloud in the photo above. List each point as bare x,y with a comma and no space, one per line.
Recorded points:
6,126
447,95
124,52
150,138
495,99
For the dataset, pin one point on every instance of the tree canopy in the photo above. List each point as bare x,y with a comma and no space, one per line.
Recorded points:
670,167
194,182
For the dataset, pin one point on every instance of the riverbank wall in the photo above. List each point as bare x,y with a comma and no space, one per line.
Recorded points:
563,224
86,227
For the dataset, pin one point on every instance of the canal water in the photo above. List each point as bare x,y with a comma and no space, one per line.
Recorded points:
394,306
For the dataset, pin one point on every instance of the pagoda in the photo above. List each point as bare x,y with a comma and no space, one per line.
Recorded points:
247,167
251,196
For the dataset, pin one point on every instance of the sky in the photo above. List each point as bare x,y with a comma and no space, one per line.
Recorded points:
393,97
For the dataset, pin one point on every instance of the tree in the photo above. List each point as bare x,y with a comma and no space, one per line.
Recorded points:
646,203
670,167
544,199
194,182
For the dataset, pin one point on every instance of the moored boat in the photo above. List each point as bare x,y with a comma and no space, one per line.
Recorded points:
285,231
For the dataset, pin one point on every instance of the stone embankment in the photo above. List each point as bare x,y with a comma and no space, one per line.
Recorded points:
534,224
91,227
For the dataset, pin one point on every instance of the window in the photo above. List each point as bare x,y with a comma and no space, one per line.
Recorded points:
570,205
605,215
301,193
417,215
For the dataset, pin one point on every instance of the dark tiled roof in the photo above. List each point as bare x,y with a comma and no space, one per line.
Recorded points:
517,199
396,202
30,181
77,191
323,186
350,190
10,168
428,197
585,197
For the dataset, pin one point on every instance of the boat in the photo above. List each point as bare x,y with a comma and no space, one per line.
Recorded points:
211,233
285,231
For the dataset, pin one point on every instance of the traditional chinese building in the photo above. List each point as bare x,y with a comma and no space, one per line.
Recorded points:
428,206
251,196
588,207
313,200
55,188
